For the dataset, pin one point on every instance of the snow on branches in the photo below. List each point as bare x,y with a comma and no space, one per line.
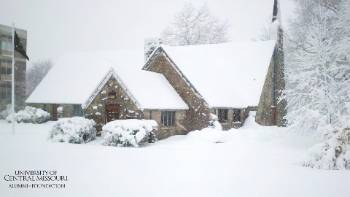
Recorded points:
318,80
318,67
193,26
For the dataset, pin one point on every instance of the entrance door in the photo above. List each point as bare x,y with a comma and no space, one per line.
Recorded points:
112,112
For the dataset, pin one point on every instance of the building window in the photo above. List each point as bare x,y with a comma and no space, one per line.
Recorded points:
77,110
6,46
222,115
5,70
168,118
236,115
5,91
5,67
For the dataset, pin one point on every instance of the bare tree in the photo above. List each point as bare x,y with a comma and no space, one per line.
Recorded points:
35,74
193,26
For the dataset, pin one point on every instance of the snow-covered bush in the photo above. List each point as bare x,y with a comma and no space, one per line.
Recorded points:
129,132
334,154
214,122
30,115
74,130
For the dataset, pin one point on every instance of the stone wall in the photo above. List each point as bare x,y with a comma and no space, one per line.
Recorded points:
264,114
198,115
271,109
164,132
96,109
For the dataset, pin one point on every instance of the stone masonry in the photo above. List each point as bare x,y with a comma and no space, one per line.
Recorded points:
198,115
112,93
271,108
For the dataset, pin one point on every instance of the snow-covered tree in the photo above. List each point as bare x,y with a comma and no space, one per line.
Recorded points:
318,67
35,73
318,79
150,45
193,26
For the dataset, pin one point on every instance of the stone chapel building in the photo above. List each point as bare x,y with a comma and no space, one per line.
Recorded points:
180,87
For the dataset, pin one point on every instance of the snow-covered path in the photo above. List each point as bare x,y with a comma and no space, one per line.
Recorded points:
251,161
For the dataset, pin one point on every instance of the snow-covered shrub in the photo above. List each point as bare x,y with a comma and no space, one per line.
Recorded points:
30,115
4,113
129,132
74,130
214,122
334,154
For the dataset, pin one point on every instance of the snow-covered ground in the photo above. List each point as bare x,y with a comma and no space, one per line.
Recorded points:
251,161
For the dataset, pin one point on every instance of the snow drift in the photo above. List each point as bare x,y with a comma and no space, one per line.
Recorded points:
333,154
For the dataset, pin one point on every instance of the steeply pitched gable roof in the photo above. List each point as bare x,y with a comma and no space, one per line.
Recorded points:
76,77
226,75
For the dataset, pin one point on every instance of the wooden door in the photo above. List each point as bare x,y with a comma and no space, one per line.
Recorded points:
112,112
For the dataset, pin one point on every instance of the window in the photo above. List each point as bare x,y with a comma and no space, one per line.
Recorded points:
6,45
236,115
5,70
222,115
77,110
5,91
168,118
5,67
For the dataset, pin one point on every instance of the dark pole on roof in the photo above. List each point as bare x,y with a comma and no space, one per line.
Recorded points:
275,10
274,69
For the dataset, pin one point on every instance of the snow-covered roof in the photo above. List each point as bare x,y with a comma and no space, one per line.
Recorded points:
75,77
226,75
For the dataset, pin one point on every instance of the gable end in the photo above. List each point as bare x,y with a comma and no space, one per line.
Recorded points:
98,89
161,51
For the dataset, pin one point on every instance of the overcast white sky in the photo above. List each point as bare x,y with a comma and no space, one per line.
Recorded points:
56,27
